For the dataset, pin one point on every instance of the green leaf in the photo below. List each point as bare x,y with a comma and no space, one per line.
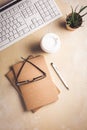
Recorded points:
76,8
83,15
82,9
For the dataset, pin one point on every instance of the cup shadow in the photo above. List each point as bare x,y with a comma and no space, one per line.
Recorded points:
35,48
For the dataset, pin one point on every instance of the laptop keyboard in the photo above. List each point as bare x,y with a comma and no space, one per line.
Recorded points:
24,18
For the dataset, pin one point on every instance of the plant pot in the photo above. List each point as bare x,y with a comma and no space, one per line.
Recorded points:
72,27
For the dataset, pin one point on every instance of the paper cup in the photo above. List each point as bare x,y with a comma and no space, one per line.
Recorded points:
50,43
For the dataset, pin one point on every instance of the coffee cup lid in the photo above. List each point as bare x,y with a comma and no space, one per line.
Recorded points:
50,43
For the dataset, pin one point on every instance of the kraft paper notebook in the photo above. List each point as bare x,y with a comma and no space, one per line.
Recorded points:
33,82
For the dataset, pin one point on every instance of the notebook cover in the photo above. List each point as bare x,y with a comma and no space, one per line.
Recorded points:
38,93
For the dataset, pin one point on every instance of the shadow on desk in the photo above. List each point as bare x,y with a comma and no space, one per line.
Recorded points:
35,48
61,23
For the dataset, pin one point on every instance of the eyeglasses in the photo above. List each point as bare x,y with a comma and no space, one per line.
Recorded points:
28,81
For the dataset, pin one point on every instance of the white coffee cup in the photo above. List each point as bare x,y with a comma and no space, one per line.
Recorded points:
50,43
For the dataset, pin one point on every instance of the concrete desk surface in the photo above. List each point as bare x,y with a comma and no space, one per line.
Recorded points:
70,111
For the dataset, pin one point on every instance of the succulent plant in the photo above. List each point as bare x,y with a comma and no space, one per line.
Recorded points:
74,19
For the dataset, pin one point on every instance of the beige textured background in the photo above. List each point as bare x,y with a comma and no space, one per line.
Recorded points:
2,2
70,111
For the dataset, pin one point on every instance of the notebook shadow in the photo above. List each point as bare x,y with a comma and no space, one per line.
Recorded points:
19,95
